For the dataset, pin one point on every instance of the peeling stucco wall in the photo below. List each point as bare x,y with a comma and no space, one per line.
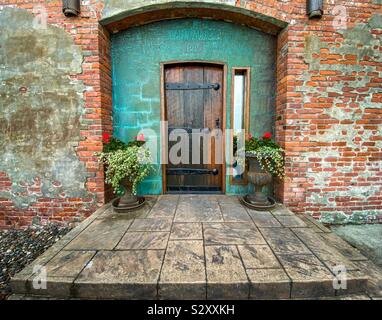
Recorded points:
41,110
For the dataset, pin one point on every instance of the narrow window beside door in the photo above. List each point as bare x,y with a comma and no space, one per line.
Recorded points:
240,115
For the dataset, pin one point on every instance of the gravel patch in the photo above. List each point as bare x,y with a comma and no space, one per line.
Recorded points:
20,247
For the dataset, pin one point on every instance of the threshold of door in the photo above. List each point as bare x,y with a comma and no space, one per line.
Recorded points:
194,192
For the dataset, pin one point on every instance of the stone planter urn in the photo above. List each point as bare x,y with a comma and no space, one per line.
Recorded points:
128,201
259,178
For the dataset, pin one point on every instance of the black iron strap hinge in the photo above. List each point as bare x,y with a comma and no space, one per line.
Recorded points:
191,86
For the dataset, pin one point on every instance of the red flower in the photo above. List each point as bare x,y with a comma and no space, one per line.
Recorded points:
106,137
141,137
267,135
250,136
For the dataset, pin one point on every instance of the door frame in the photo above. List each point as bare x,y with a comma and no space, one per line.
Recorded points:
163,112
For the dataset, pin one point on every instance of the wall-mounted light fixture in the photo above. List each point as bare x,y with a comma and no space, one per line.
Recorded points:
71,8
314,8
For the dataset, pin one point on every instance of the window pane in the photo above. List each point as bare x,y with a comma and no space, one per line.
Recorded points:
239,102
240,94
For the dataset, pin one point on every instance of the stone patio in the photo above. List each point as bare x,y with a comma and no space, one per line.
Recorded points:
196,247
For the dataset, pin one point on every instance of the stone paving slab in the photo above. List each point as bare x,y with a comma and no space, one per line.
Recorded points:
129,274
226,276
231,233
198,209
291,221
224,199
310,278
164,207
269,284
144,240
183,273
20,282
61,271
374,273
186,231
342,246
198,247
313,222
264,219
310,224
284,241
151,224
356,281
58,287
258,257
233,212
329,255
281,210
100,235
68,263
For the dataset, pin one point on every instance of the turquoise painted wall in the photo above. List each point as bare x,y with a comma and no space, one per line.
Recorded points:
136,57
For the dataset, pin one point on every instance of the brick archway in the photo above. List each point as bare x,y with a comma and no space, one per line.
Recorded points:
118,19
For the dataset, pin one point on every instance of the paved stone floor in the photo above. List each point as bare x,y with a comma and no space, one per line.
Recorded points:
198,247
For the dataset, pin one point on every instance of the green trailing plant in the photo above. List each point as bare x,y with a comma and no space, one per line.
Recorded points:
269,154
114,144
125,160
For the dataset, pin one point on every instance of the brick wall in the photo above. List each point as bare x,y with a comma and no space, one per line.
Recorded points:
328,109
332,125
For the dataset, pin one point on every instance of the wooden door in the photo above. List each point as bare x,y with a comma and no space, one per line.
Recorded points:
194,104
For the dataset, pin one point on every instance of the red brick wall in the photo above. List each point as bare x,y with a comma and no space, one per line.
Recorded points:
332,137
334,162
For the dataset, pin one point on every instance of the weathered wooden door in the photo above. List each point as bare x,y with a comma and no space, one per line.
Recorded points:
194,111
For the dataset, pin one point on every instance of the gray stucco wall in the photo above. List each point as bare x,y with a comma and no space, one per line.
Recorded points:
41,110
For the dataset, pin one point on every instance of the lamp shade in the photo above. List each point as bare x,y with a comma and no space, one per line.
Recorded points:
314,8
71,8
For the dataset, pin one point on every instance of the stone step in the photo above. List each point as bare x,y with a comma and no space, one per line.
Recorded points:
194,247
263,284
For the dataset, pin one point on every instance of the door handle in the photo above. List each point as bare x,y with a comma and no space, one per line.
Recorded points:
217,122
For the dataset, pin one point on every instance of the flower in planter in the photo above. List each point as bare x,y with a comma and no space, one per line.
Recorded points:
141,137
267,135
125,161
268,152
106,137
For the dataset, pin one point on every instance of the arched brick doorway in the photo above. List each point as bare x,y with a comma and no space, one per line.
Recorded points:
116,20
